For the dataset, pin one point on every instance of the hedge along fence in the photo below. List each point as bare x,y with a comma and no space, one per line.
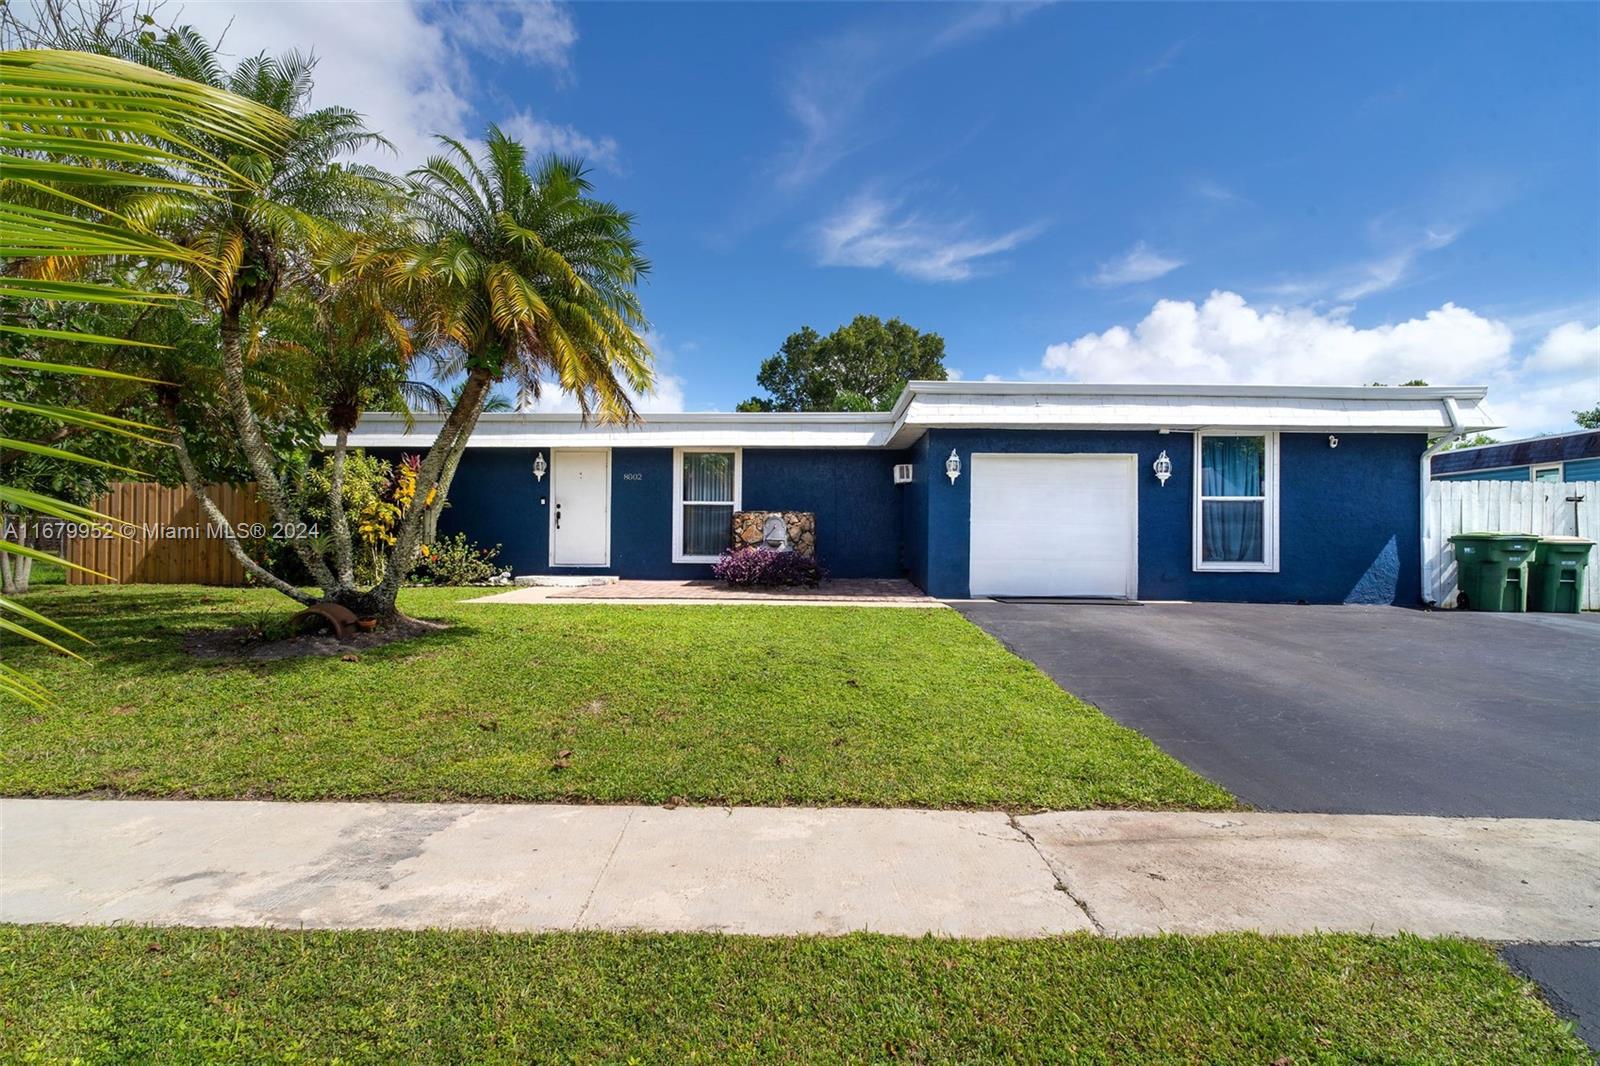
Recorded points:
1538,507
166,539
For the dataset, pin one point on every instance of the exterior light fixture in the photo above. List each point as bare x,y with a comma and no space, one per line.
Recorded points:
1163,468
1333,442
539,467
952,466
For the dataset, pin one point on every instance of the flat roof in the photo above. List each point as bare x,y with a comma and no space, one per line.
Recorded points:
1527,451
928,405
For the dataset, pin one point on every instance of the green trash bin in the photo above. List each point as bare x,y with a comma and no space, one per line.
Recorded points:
1559,567
1493,569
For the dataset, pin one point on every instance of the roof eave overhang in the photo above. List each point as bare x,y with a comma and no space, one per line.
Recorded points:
928,405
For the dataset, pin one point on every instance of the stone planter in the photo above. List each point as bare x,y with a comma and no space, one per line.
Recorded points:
758,529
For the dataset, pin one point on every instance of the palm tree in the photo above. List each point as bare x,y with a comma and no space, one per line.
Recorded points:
526,277
73,122
302,207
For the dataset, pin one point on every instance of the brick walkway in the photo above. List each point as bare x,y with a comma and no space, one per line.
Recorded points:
864,592
846,589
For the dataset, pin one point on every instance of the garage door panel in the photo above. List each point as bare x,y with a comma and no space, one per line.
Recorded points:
1053,525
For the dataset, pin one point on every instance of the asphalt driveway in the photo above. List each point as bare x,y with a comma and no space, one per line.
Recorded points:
1353,710
1341,710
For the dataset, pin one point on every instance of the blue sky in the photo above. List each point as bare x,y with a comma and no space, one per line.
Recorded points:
1290,193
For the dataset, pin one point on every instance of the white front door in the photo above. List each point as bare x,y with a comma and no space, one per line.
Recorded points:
1054,525
580,507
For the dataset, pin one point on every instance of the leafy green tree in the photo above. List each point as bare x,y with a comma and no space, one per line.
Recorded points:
1589,419
862,366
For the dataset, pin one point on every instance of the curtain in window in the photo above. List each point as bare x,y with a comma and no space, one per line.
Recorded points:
708,476
707,502
1233,531
1233,466
707,528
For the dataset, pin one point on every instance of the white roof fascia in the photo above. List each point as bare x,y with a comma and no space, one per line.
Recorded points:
928,405
696,429
1018,405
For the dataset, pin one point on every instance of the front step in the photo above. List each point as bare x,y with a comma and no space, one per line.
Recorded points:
565,581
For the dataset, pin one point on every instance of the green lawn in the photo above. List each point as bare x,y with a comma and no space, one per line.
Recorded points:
737,704
137,994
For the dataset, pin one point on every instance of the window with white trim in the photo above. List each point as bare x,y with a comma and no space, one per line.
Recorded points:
705,491
1552,472
1236,501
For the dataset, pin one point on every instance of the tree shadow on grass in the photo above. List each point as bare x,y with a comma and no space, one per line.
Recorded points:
151,628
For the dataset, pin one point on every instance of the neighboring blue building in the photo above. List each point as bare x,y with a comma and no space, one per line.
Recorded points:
1267,493
1560,457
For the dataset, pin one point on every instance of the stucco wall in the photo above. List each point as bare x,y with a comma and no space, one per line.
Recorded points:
852,492
495,499
1348,516
914,512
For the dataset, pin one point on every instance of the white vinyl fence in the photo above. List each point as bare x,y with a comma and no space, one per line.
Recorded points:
1539,507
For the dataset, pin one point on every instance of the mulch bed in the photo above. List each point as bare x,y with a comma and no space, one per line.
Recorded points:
241,644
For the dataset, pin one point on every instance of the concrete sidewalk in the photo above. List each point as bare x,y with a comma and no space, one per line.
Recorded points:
791,870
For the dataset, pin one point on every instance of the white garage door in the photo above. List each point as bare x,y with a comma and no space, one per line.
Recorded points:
1054,525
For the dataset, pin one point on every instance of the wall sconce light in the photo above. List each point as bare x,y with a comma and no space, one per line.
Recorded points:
952,466
539,467
1333,442
1163,468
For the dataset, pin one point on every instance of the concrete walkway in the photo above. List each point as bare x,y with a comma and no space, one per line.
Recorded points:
791,870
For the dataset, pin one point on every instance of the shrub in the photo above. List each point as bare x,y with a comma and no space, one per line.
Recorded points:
454,561
768,567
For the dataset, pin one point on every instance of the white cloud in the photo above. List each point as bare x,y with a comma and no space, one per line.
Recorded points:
1568,347
1395,265
1215,191
541,137
408,66
1226,340
537,30
1389,270
873,232
1138,263
1533,385
825,89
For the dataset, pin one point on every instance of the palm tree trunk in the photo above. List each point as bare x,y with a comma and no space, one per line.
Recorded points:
430,521
219,522
379,601
15,570
342,560
259,455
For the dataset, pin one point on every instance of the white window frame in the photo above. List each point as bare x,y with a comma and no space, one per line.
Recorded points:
1533,471
679,503
1269,521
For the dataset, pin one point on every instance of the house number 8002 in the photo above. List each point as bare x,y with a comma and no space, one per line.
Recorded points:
633,477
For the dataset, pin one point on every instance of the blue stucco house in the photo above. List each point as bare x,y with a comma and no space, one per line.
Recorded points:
1559,457
1265,493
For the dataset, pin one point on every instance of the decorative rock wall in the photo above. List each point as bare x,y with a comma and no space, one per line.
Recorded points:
800,529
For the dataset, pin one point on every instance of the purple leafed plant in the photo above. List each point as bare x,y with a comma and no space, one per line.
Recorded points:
748,567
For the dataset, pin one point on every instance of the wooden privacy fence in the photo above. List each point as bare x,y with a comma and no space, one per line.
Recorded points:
166,538
1539,507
